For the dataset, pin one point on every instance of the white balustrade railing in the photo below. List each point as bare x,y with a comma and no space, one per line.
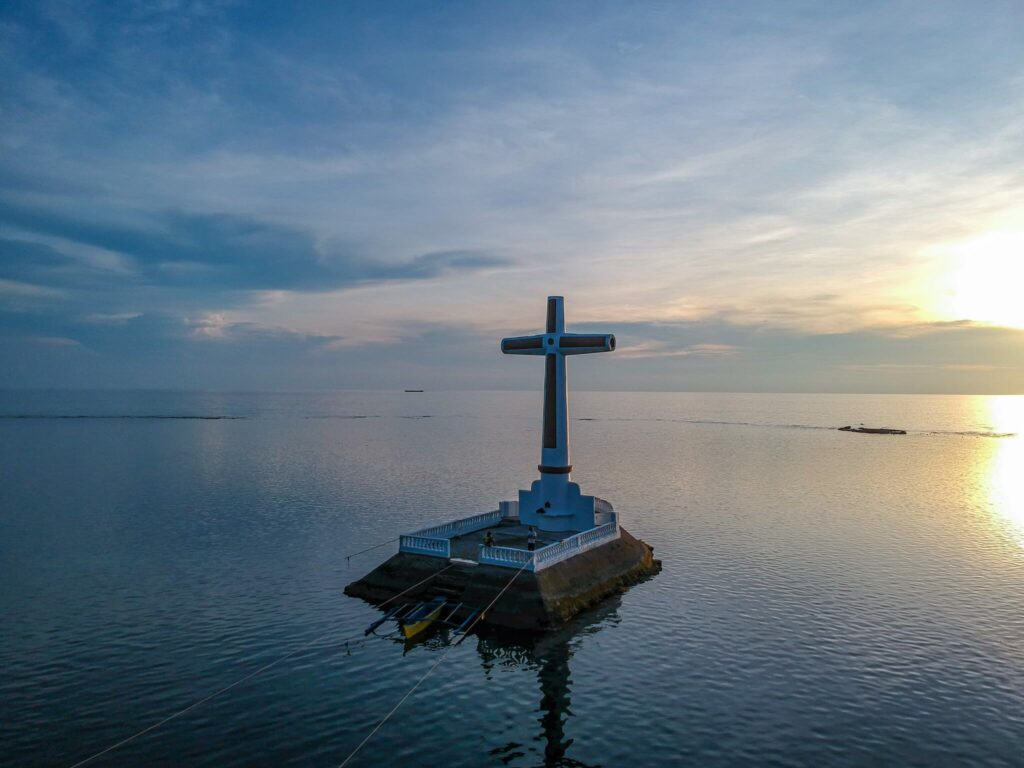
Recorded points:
436,542
574,545
425,545
464,525
545,557
603,512
426,541
508,557
596,535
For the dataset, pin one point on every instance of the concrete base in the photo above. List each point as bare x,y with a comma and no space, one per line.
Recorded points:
534,601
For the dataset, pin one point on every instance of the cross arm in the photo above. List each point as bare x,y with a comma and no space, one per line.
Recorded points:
585,343
523,345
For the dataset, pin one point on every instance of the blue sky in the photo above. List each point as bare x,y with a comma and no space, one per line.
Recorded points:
752,196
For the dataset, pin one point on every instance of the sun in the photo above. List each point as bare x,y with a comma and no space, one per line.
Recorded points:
985,280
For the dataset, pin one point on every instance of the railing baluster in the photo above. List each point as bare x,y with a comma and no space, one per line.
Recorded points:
436,541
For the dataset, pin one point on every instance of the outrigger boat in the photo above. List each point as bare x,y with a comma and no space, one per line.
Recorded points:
414,619
422,618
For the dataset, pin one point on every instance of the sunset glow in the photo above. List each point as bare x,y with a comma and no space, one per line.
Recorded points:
985,278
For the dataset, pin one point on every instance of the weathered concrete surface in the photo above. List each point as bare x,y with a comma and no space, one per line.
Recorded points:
534,601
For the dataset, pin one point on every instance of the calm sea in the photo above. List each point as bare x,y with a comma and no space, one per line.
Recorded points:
827,598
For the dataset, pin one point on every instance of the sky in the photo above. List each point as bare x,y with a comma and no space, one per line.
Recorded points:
300,196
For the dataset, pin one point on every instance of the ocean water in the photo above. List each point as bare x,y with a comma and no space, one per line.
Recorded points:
826,599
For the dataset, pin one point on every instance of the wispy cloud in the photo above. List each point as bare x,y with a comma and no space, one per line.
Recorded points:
53,341
911,367
665,349
13,288
211,251
218,327
115,318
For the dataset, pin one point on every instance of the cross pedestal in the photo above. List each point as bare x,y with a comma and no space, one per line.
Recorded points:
554,502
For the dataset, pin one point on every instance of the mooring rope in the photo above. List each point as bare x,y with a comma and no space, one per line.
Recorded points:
248,677
433,666
375,546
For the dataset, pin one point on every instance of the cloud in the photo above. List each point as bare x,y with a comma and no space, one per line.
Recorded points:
665,349
210,252
217,327
927,367
223,351
13,288
115,318
54,341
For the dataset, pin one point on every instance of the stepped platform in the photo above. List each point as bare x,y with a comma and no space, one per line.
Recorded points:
535,600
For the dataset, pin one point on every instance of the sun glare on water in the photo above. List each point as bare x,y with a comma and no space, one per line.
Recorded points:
985,280
1004,476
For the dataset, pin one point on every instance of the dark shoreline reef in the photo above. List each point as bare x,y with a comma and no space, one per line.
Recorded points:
873,430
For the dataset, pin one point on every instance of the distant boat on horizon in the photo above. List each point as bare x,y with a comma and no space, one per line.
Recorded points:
414,390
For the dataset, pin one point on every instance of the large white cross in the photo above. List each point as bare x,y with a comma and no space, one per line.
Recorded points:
555,344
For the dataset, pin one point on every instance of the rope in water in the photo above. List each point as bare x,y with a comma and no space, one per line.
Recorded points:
433,666
248,677
375,546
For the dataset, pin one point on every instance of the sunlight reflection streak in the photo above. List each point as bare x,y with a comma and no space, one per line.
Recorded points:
1005,481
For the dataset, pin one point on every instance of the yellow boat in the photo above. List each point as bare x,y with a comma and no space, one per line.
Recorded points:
421,618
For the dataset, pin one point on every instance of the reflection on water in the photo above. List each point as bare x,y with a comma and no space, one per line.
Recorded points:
1004,472
549,655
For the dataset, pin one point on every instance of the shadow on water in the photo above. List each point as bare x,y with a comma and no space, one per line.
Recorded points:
549,655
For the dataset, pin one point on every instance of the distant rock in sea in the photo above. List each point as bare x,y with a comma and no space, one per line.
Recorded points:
873,430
